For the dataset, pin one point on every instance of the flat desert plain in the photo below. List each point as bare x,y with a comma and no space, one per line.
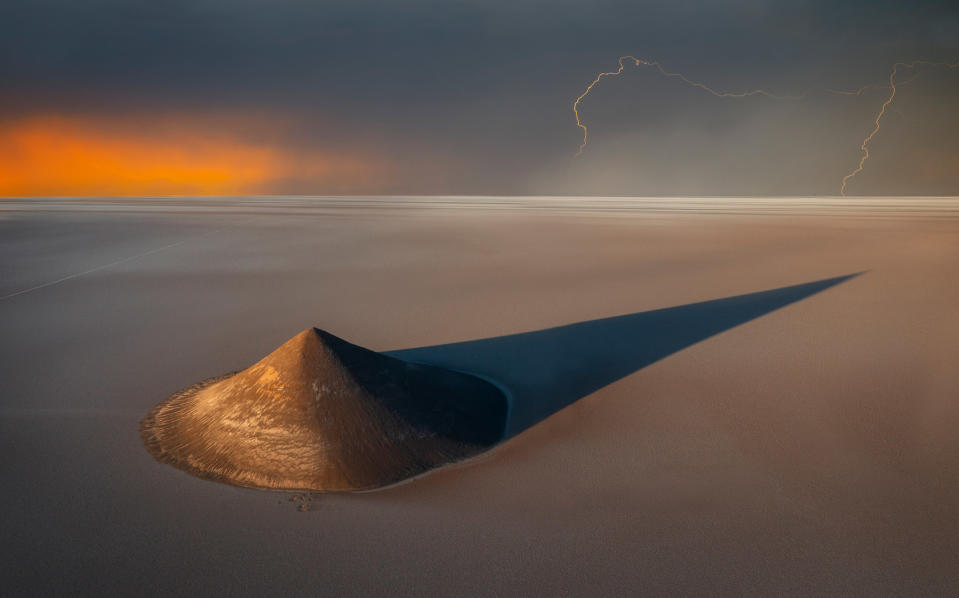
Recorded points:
811,450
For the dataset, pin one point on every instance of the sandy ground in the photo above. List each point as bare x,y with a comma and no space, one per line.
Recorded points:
812,450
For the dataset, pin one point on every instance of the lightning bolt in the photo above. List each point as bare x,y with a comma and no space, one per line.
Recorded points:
864,146
857,92
861,90
652,63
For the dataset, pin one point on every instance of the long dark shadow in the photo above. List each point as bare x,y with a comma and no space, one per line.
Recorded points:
546,370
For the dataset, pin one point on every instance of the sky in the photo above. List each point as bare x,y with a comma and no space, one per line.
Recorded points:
472,97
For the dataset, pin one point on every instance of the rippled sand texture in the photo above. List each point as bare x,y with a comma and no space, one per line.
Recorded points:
321,414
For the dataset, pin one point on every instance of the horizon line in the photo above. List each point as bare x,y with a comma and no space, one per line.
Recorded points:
469,195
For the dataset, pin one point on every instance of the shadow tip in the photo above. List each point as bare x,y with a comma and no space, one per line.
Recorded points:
845,277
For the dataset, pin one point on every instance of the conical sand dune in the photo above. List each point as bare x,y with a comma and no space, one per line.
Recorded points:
322,414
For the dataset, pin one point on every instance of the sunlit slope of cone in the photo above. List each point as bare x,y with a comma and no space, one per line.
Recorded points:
322,414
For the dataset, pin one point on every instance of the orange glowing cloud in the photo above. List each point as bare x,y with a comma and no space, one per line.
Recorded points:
59,155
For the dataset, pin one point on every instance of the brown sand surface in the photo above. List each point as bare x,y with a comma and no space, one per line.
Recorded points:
810,451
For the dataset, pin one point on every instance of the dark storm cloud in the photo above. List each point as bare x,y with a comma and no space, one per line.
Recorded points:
481,90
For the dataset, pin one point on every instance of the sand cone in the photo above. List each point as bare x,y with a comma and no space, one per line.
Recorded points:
322,414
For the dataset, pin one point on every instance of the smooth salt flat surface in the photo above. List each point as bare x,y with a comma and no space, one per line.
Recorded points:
811,450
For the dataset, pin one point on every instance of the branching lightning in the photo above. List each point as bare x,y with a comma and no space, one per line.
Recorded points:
860,91
864,88
641,62
864,146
